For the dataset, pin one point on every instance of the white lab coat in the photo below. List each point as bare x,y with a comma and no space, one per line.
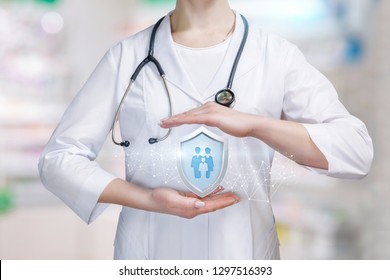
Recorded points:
273,79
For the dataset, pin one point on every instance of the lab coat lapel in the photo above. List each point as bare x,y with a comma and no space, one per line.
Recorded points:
165,52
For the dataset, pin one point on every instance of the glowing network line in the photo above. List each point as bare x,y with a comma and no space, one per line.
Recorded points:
257,182
155,163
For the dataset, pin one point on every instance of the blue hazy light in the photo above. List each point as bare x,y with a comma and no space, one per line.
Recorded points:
298,11
285,10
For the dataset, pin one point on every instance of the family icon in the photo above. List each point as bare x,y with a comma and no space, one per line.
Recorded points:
202,164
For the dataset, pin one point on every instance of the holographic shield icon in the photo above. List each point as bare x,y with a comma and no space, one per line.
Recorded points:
202,161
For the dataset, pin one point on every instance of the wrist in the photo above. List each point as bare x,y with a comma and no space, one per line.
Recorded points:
257,126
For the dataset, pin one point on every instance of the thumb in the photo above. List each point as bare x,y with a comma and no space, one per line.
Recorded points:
199,204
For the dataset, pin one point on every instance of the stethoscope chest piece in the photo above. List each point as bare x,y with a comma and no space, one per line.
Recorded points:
225,97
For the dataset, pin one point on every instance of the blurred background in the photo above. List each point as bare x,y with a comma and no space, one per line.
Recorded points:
48,48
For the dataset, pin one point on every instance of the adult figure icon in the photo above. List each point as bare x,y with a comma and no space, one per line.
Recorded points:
195,162
209,161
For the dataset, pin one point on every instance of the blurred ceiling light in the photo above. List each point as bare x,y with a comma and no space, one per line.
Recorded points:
52,22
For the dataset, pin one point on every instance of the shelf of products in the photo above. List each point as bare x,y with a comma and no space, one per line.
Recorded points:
33,77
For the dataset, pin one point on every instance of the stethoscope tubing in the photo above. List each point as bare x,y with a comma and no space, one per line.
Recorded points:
153,60
118,110
239,52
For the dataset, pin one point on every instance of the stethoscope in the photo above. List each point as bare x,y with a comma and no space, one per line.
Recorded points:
224,97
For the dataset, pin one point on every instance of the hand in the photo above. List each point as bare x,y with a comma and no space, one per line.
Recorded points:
187,204
212,114
165,200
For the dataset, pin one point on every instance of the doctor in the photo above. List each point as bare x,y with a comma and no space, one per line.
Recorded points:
281,103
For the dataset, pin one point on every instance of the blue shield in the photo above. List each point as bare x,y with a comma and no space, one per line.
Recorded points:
202,161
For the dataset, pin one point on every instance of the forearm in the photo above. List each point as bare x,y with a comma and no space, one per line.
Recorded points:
127,194
290,139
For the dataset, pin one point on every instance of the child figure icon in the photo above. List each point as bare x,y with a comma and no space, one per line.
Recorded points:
203,168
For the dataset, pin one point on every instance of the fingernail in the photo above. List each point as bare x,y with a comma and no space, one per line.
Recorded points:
199,204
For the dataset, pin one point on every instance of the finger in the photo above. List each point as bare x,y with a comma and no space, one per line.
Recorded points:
191,194
203,109
222,196
217,190
194,111
187,119
198,115
217,204
201,202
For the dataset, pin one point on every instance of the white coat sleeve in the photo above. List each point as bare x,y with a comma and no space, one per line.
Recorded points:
67,167
311,99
